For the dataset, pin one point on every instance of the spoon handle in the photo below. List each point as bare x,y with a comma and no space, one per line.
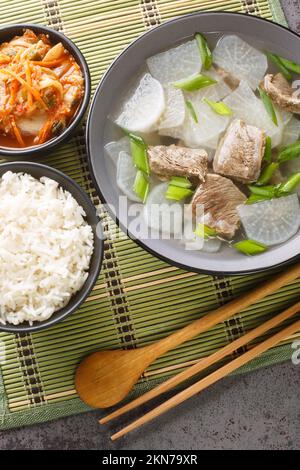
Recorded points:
224,312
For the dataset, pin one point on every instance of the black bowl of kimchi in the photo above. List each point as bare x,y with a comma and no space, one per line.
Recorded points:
39,115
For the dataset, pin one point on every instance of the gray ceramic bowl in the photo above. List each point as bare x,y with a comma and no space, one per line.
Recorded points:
261,33
37,171
8,32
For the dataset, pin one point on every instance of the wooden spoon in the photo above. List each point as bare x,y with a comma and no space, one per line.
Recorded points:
104,378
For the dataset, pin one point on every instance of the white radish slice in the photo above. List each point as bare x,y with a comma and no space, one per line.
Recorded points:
205,132
176,63
194,135
211,245
271,222
126,173
161,214
174,113
240,59
208,129
32,125
285,115
175,132
211,145
143,108
247,106
114,148
216,92
291,132
277,133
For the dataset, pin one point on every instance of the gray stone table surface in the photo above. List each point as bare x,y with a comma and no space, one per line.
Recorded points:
260,410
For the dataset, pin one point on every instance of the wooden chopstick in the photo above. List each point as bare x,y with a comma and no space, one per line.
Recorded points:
202,364
210,379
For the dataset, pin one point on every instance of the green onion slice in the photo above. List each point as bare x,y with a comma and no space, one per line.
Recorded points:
204,231
191,109
268,105
250,247
138,151
178,193
263,190
290,65
290,152
218,107
132,136
141,185
268,150
289,186
278,61
261,193
205,52
195,82
180,181
254,198
267,173
139,154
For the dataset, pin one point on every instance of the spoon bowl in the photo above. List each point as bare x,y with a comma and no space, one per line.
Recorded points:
105,378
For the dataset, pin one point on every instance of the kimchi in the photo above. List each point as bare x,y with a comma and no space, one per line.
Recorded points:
41,88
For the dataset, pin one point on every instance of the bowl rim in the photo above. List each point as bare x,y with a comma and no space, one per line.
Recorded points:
91,167
15,152
68,309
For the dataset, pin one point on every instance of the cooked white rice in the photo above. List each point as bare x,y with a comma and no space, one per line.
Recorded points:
45,248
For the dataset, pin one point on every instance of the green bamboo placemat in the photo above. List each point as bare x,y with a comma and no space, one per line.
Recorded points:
138,298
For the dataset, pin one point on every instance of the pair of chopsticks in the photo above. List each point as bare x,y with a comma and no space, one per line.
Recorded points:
202,365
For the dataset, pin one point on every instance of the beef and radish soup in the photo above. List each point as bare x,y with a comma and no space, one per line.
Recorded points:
214,125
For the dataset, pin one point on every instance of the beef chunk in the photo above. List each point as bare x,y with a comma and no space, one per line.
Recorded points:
172,160
240,152
219,198
281,92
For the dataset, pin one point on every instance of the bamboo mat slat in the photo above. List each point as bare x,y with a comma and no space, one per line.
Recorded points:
138,298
